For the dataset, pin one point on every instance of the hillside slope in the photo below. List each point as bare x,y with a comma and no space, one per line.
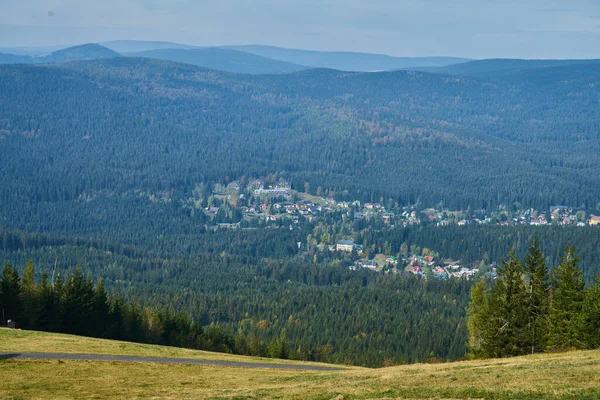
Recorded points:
90,51
222,60
495,68
129,46
346,61
573,375
531,139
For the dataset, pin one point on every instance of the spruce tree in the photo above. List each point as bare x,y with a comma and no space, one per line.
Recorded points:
47,313
78,304
537,297
10,294
478,317
567,302
590,316
100,310
28,297
506,332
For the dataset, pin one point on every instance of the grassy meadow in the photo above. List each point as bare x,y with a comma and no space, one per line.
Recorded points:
574,375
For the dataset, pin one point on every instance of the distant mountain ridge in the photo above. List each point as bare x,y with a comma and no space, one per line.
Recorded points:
346,61
90,51
132,46
223,60
500,67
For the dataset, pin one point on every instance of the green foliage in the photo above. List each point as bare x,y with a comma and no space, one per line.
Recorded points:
522,313
506,331
79,308
477,315
537,297
10,294
590,317
567,302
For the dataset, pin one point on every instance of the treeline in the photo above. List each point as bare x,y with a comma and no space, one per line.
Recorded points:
531,310
328,312
75,305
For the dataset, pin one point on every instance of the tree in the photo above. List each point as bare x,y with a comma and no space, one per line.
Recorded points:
404,249
100,310
477,317
567,302
29,297
590,316
49,307
507,331
537,297
78,304
10,294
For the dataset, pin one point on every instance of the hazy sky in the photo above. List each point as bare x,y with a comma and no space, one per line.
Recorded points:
469,28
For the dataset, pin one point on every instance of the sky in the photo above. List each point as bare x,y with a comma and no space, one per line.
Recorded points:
465,28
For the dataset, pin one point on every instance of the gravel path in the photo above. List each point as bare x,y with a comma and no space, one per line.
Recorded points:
162,360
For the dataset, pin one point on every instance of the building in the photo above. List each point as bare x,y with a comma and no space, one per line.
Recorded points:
345,245
594,220
369,264
285,193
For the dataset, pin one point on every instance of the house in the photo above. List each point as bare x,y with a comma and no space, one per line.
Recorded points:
415,270
345,245
391,260
594,220
368,264
273,193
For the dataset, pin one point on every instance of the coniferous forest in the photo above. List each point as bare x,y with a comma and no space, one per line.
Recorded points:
136,199
529,309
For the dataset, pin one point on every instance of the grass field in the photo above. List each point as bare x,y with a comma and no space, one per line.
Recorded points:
573,375
39,342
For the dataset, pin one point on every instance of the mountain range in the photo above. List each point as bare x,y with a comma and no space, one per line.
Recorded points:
238,59
88,51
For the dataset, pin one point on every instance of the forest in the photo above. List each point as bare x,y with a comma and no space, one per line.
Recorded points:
108,167
530,310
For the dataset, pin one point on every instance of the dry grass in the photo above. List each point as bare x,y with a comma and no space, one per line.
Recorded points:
39,342
555,376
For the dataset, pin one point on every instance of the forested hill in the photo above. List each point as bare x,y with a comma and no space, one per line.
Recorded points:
346,61
90,51
501,67
223,60
136,124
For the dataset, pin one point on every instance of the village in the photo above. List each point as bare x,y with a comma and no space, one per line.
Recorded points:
425,266
278,202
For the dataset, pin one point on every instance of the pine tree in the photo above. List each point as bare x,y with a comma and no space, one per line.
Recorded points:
567,302
506,333
537,297
48,307
10,294
28,297
78,304
590,316
478,317
100,310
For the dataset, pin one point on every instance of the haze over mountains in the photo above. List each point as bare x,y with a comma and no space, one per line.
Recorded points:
88,51
222,59
238,59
